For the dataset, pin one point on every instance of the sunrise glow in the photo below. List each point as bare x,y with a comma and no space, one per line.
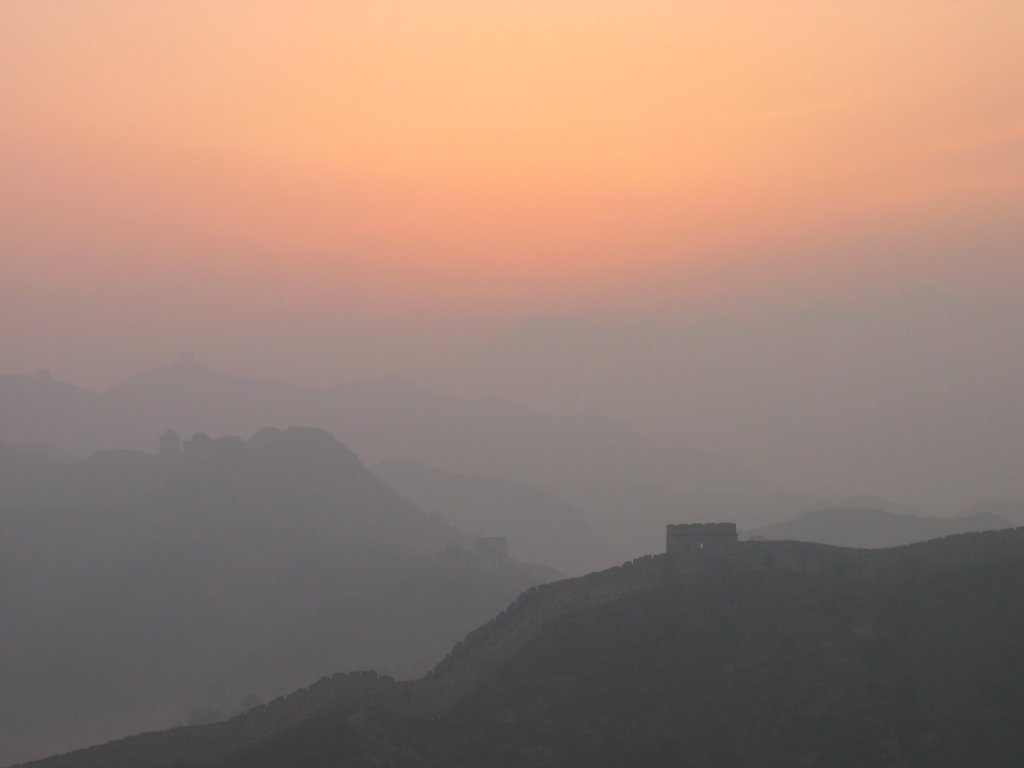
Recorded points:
503,146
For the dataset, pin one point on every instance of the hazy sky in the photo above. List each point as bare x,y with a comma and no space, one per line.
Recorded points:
789,229
244,177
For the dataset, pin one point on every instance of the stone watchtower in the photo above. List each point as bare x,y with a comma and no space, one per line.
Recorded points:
697,538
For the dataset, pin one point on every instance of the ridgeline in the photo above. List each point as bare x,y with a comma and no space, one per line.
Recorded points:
763,653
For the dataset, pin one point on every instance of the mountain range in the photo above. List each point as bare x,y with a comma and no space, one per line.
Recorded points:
539,526
627,485
871,528
141,590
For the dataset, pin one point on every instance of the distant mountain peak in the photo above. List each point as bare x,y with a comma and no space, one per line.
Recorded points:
182,371
873,528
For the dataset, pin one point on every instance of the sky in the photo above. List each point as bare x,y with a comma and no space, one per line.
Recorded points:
496,157
321,190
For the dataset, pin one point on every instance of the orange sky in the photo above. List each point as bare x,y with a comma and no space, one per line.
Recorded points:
469,154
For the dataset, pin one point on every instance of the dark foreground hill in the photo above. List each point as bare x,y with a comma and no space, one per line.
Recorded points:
784,655
140,591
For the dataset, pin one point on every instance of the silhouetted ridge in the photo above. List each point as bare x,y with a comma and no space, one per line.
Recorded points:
1008,509
771,653
540,526
145,589
866,527
186,370
595,464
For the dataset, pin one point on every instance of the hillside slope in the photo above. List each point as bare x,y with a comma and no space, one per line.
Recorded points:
908,657
141,591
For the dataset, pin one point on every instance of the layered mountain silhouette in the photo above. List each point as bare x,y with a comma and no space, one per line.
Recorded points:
540,527
782,654
141,590
1008,509
626,485
867,527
